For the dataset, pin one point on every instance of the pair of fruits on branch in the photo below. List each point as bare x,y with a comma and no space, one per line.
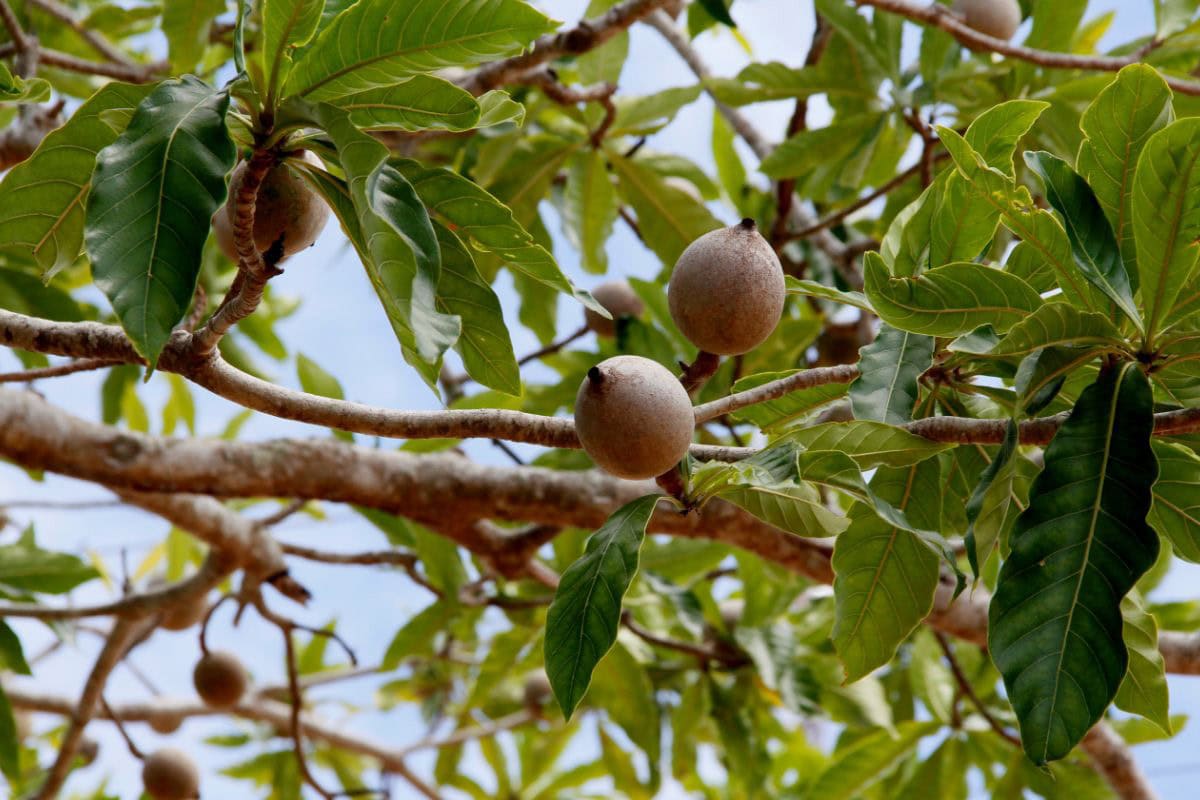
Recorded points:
726,294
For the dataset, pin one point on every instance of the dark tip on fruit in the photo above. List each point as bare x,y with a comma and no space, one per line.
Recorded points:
748,224
595,376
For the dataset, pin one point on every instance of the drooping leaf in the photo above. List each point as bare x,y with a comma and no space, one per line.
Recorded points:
42,199
1144,690
484,345
866,761
1166,217
1052,325
885,577
1116,127
1092,241
886,389
154,190
1176,511
950,300
1055,627
582,622
788,505
590,209
377,43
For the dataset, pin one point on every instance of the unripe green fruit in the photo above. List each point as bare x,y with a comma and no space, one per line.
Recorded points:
220,679
727,290
998,18
169,774
286,208
619,299
633,417
537,691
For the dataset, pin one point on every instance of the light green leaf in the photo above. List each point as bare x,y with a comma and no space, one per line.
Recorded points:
42,199
814,289
484,345
415,638
1052,325
793,507
885,577
1092,240
647,113
1144,690
950,300
26,567
315,380
623,688
581,625
1055,627
995,133
186,24
590,209
422,102
886,389
870,444
1166,217
286,26
1116,127
376,42
497,108
1176,510
154,190
829,146
14,89
862,764
669,218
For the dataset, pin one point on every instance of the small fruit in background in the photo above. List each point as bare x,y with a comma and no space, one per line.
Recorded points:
998,18
537,691
170,774
166,723
287,208
220,679
727,290
620,300
633,417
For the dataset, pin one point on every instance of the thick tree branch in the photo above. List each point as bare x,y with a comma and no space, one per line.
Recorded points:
1112,759
940,16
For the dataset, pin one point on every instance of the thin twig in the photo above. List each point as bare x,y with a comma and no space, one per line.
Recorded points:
22,42
80,365
462,735
964,685
133,748
95,39
704,654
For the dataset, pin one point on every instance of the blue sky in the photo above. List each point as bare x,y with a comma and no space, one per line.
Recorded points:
341,327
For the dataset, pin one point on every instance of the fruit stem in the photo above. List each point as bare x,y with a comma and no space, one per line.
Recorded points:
748,224
699,371
595,376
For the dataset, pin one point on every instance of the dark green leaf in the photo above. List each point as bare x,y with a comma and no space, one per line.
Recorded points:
12,656
886,389
153,192
582,622
1055,629
10,742
717,10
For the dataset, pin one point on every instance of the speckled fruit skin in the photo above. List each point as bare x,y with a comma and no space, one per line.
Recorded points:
998,18
727,290
169,774
620,300
286,207
633,417
220,679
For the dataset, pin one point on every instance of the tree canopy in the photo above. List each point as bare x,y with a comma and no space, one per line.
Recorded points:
910,538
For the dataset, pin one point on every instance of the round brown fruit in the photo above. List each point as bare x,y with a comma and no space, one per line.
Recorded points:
220,679
633,417
997,18
166,724
169,774
619,299
537,690
180,617
89,749
286,208
727,290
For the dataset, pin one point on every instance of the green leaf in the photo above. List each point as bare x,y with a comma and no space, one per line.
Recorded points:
885,577
1176,510
1166,217
286,26
1052,325
995,133
1144,690
829,147
950,300
790,408
623,688
590,209
14,89
42,199
10,742
27,567
1055,627
1116,127
153,192
669,218
793,507
422,102
993,488
26,294
886,389
1172,16
377,43
814,289
484,345
581,625
398,244
186,24
855,768
645,114
717,10
12,656
870,444
315,380
1092,240
416,636
475,214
